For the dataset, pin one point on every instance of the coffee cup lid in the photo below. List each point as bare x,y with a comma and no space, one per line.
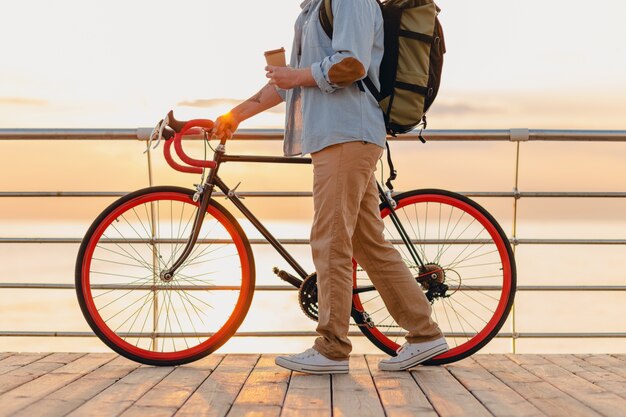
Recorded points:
274,51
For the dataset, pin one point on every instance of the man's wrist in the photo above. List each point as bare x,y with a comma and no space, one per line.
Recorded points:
305,77
235,115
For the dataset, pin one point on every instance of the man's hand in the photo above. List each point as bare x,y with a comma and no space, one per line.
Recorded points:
288,78
225,126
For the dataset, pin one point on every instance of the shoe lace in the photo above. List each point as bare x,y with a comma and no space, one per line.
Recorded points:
308,353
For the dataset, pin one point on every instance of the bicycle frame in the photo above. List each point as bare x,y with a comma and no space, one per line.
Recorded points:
213,180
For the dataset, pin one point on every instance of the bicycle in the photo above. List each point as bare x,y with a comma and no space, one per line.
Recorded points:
165,275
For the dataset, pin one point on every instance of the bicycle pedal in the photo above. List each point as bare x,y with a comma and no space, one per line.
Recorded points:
286,276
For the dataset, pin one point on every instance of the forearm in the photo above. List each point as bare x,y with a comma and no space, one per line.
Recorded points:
265,99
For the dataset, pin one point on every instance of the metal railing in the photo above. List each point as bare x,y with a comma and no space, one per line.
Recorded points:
515,136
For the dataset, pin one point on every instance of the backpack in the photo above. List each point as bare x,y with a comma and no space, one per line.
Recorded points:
410,71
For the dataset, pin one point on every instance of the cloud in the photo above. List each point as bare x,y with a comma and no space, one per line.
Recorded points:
444,108
223,102
22,101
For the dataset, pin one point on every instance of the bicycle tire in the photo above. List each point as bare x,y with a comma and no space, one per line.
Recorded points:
115,245
451,205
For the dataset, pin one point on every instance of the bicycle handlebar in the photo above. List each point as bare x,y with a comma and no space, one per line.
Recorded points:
178,130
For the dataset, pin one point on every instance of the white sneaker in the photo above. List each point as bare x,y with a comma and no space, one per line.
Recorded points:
312,362
411,354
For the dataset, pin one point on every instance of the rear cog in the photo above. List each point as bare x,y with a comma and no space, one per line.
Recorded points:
432,278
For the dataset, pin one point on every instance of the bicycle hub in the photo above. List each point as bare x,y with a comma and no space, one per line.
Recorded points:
166,276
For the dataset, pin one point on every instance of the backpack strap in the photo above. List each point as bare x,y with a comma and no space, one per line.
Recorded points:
392,171
326,17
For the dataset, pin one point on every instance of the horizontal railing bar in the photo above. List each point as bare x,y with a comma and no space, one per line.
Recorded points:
56,286
547,335
57,240
506,194
278,134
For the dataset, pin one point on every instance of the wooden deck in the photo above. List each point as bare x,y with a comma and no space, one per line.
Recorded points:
74,384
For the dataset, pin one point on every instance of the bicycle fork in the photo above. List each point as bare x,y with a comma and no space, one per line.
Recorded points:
205,191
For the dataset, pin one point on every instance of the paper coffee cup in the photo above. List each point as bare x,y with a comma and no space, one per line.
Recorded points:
276,57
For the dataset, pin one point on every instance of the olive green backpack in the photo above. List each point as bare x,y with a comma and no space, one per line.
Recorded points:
410,72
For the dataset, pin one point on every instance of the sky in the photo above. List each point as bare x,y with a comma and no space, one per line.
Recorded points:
87,63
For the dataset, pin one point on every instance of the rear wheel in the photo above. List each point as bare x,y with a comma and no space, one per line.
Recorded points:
164,320
468,272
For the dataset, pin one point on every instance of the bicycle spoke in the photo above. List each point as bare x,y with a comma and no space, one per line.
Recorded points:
132,314
448,319
459,236
463,317
119,298
116,289
457,319
476,265
122,310
120,275
137,233
117,263
190,321
421,248
474,257
445,235
140,260
120,254
147,299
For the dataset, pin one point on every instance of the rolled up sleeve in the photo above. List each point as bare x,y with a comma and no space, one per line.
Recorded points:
353,37
281,92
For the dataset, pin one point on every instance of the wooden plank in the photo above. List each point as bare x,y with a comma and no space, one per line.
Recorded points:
264,391
547,398
607,362
599,376
307,396
494,394
62,357
23,374
32,391
18,360
5,355
215,396
595,397
165,398
399,394
354,394
122,394
76,393
446,394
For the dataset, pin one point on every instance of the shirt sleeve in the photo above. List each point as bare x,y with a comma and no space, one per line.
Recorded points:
353,37
281,92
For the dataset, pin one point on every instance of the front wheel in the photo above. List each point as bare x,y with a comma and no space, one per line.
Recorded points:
467,271
164,320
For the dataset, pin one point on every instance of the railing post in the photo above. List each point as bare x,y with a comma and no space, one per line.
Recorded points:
516,197
155,260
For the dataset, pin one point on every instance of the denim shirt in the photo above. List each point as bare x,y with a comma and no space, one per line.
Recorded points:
335,112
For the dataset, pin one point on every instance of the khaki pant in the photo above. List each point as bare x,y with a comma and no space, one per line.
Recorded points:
347,224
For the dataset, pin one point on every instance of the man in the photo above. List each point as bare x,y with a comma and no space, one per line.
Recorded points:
343,129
